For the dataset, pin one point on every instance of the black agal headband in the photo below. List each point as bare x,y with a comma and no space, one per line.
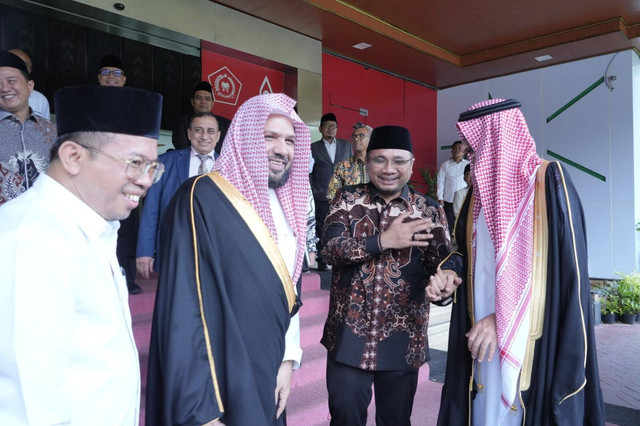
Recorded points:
489,109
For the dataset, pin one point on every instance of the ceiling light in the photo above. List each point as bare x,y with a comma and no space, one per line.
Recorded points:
543,58
362,46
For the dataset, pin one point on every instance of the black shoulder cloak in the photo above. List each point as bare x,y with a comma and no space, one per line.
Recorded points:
220,317
565,385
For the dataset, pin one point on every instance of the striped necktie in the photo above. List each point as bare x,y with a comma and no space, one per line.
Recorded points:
202,169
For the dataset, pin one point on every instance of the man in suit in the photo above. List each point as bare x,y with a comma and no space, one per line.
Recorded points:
201,101
180,165
326,153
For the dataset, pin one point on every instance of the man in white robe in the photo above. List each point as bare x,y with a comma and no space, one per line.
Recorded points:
67,351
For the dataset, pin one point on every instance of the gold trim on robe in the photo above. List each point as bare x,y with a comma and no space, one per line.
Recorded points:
212,364
538,276
578,283
470,262
260,231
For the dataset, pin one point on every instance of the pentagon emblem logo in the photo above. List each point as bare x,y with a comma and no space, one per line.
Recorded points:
226,87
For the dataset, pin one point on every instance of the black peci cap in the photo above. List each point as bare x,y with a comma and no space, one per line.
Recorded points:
124,110
390,137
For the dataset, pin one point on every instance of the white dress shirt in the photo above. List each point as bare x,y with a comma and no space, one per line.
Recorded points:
331,148
39,104
194,163
67,352
451,179
287,244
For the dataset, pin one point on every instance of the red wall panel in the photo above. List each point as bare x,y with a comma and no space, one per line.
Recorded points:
234,80
347,87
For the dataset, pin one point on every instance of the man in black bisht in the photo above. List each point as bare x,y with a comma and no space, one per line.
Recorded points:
521,344
223,342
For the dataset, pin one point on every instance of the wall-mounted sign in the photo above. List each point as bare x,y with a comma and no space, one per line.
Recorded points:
236,80
226,87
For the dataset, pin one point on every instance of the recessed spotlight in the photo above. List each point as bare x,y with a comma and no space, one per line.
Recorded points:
362,46
543,58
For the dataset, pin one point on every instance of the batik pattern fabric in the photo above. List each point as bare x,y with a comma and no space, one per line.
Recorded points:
24,152
504,170
378,313
349,172
312,238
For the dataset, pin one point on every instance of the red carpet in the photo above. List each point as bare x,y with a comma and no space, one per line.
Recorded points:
308,401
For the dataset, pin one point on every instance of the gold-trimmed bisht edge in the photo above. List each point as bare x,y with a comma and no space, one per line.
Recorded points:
205,328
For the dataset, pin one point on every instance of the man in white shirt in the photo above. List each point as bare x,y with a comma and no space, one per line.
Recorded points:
179,165
67,351
450,180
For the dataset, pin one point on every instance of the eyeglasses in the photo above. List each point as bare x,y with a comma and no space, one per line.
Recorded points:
107,73
330,126
358,136
137,167
395,162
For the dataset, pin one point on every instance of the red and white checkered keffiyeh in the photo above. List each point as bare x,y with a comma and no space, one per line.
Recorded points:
504,171
243,163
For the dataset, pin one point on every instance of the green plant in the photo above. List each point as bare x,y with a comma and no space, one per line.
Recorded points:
638,226
628,290
610,299
431,180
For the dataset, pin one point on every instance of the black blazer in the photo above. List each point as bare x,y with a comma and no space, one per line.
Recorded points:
323,167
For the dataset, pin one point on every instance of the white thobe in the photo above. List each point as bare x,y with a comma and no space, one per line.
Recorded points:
287,244
67,352
487,403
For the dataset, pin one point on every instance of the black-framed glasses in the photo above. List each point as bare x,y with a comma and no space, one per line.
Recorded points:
358,136
395,162
107,73
137,166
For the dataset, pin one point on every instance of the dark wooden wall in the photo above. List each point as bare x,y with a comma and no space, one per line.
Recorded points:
65,54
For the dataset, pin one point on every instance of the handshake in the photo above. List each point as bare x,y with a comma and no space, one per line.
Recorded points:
442,285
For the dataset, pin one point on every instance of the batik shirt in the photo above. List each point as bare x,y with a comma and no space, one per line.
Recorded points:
349,172
312,238
24,152
378,313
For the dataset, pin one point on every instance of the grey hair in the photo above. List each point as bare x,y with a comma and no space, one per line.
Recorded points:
360,125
